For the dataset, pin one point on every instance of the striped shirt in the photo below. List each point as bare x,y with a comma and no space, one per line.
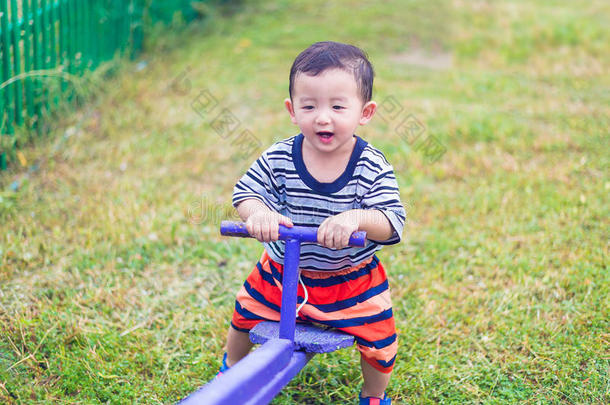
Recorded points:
280,180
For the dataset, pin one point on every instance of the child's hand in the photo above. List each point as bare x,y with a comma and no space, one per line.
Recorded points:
264,225
335,231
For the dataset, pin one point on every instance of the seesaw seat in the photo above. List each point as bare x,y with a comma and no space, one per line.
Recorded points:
307,337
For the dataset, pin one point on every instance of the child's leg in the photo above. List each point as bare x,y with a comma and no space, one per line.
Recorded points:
358,302
375,382
238,346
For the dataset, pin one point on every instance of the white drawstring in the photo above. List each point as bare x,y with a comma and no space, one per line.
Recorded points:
306,296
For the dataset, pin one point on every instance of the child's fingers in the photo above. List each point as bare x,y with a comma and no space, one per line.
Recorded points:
253,228
328,240
265,232
334,236
285,221
343,240
274,231
265,228
346,237
256,231
322,232
337,237
329,236
345,234
250,227
275,234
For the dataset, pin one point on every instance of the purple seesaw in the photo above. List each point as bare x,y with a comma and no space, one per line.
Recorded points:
286,347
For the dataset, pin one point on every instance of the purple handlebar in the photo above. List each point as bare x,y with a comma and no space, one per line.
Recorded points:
300,233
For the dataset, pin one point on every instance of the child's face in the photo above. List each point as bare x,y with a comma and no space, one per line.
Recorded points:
328,108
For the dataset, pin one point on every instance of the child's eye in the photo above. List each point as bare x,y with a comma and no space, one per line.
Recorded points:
308,107
338,107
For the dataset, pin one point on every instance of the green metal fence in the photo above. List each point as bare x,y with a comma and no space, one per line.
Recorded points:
57,38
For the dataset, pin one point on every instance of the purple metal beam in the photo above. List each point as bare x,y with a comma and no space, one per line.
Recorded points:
273,387
244,380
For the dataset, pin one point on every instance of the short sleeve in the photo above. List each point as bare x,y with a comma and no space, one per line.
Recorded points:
258,183
384,196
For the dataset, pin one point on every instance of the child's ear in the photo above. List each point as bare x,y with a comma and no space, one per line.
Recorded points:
290,108
367,112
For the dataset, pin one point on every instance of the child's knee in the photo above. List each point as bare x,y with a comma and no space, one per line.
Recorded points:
382,359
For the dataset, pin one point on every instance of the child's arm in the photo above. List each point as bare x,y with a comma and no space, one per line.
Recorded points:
261,222
335,231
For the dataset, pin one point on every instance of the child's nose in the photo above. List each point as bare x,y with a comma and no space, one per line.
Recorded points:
322,118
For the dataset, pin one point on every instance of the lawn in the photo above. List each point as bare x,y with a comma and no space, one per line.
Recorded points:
115,286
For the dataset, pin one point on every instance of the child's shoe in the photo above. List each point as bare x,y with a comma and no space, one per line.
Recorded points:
374,400
224,366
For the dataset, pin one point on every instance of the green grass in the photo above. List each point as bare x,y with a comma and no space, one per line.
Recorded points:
116,288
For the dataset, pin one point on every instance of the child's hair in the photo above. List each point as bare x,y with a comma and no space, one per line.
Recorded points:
335,55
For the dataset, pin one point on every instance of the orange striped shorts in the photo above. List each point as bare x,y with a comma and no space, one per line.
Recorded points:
356,301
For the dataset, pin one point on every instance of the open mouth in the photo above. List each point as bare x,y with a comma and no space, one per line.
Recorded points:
325,135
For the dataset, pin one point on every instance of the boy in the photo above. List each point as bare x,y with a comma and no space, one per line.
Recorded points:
328,177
